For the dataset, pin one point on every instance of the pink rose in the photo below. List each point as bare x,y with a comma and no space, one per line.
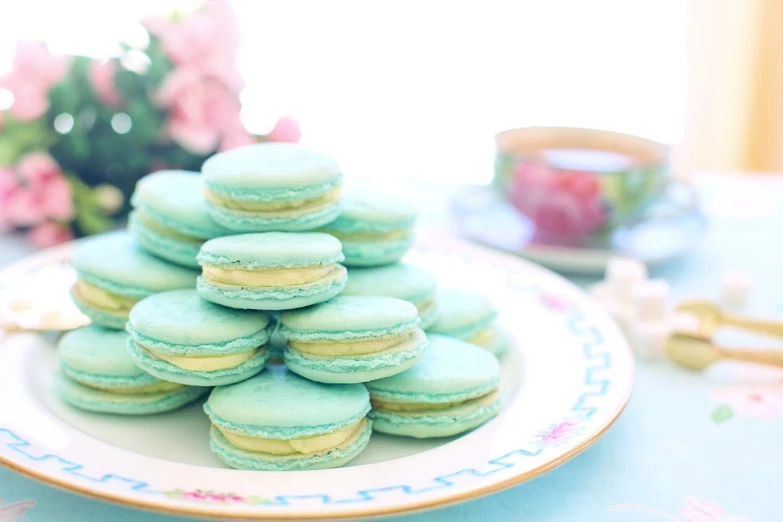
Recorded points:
286,129
201,110
34,72
102,77
49,234
237,137
37,191
206,41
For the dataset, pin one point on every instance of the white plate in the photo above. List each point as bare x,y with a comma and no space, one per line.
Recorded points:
564,382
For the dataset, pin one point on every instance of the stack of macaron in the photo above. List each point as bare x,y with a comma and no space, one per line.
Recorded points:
261,257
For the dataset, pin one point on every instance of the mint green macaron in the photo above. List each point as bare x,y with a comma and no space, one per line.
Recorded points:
352,339
272,187
452,389
97,374
178,337
170,217
278,421
114,273
401,280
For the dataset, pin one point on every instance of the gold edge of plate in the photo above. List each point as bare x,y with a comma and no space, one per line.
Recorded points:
205,511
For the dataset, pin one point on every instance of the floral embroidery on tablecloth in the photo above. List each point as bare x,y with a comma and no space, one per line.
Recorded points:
14,510
762,401
214,497
695,510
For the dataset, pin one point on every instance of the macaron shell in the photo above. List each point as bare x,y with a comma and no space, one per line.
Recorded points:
97,350
100,401
284,298
271,250
401,280
425,427
374,211
173,250
450,370
116,263
375,253
270,166
175,200
279,404
240,221
242,459
99,317
346,317
181,317
168,372
463,313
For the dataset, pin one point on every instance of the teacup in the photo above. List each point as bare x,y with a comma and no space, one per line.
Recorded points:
577,186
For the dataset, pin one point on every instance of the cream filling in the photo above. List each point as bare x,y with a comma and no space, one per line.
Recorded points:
425,307
155,387
205,363
165,231
484,337
405,341
284,207
424,408
368,236
270,277
101,299
304,445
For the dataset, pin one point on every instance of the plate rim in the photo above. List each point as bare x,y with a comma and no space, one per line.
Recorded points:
208,510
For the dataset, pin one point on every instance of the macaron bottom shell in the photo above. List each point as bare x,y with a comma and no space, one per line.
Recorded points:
178,251
115,321
169,372
245,221
375,253
436,424
243,459
101,401
277,299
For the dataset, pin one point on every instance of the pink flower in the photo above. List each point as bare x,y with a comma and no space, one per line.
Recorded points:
554,302
34,72
15,510
764,401
562,204
201,110
286,129
559,434
36,192
49,234
238,137
703,511
102,77
206,41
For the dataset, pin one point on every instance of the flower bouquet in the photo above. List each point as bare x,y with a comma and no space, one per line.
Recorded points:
79,132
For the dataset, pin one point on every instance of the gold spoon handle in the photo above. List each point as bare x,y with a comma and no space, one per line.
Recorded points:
774,328
768,357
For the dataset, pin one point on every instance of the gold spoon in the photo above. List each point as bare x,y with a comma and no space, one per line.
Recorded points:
711,317
696,352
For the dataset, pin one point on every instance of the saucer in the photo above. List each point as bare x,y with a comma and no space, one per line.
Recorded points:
481,215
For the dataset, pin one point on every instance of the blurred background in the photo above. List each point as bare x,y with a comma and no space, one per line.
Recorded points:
412,90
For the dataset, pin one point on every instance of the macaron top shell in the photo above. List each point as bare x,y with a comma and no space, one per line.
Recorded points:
180,317
403,281
346,317
175,198
116,262
99,351
270,166
278,403
366,210
271,250
449,370
461,309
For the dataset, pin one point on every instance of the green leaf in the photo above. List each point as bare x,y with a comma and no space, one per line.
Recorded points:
722,414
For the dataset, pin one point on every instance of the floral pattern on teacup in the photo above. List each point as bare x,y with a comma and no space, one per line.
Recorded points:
695,510
14,510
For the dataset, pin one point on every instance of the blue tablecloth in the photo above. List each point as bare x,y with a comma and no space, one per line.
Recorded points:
689,447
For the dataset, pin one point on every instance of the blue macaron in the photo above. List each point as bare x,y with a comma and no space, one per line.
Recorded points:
404,281
97,374
452,389
271,270
272,187
278,421
113,273
470,316
375,229
178,337
171,219
352,339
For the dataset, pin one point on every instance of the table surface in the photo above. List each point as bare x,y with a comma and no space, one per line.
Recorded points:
689,447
